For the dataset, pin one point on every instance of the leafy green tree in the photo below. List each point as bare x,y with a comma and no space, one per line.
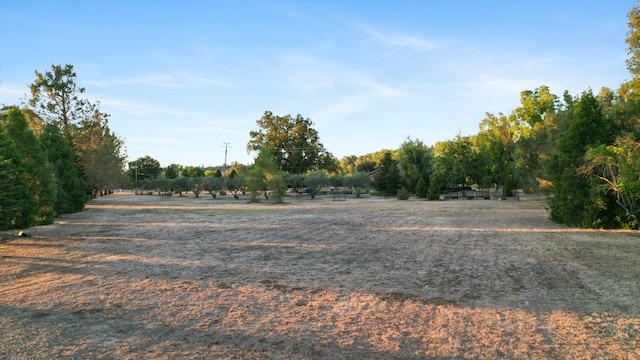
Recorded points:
143,168
197,185
347,164
497,138
387,180
630,90
236,184
538,118
617,167
172,171
294,143
455,161
370,162
181,184
276,184
71,188
192,171
415,162
358,181
336,181
162,185
264,177
236,168
295,181
314,181
213,184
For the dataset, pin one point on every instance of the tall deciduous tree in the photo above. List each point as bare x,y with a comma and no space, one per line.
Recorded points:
455,161
497,138
631,89
538,117
415,162
294,143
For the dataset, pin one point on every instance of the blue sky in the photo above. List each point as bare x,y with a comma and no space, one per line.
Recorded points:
181,78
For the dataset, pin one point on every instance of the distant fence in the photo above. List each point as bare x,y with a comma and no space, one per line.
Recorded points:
474,194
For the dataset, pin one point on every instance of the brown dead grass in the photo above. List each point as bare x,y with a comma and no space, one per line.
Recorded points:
139,277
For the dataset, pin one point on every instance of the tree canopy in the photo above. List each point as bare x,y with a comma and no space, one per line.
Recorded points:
294,143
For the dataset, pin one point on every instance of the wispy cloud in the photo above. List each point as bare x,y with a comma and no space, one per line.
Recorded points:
140,108
168,81
164,81
397,41
209,81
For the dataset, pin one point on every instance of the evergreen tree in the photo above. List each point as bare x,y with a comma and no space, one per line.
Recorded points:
35,170
71,187
421,189
388,179
573,202
13,187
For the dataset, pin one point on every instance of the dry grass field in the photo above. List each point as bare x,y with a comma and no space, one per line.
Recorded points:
149,277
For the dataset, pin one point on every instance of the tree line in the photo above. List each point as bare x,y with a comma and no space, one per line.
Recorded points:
582,151
56,152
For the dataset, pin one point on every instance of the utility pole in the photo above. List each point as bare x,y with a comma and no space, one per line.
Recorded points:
225,145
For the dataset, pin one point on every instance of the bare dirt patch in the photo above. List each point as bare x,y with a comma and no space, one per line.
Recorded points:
139,277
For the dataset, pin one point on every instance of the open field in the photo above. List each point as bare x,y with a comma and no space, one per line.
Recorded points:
149,277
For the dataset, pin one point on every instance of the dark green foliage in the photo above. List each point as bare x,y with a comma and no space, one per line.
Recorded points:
71,188
387,180
171,172
456,162
13,186
144,168
265,178
314,181
573,201
192,171
180,184
34,168
293,142
435,187
295,182
415,162
421,188
403,194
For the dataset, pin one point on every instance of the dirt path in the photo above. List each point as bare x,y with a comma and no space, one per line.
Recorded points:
138,277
